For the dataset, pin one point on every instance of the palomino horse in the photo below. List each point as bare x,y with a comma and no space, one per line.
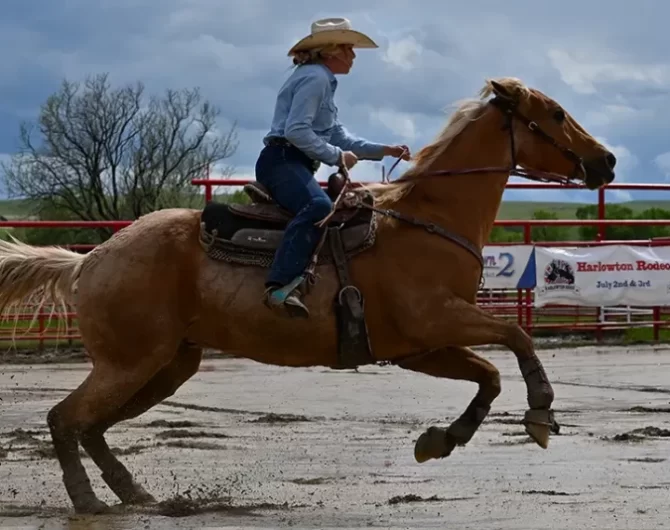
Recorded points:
177,280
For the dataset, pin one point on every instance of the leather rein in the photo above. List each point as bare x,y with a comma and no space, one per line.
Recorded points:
511,112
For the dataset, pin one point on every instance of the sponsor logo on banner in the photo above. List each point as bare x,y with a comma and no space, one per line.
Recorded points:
509,267
600,276
559,276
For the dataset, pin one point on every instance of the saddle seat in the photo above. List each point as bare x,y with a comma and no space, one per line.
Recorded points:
251,233
258,193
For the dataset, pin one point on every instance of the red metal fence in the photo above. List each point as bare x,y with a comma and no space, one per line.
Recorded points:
515,304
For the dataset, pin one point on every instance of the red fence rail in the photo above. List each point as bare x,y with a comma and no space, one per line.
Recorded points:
517,304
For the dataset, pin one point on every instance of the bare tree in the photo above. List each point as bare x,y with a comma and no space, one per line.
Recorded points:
106,153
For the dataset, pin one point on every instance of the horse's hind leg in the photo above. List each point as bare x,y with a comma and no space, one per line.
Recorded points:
106,389
455,363
164,384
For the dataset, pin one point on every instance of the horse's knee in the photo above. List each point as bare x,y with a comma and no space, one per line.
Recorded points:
519,341
488,379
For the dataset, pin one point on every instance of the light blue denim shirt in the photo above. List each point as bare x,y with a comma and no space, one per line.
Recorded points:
306,115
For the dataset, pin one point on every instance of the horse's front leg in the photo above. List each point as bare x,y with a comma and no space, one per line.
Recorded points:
470,326
466,325
455,363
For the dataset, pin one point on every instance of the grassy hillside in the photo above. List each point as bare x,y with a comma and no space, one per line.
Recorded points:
565,210
17,209
14,209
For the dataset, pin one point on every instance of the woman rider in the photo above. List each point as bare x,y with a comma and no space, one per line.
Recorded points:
305,131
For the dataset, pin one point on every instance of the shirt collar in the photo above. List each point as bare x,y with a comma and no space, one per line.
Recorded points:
331,76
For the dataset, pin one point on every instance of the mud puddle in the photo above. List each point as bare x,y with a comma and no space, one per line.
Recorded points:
273,418
412,498
183,433
183,506
641,434
649,410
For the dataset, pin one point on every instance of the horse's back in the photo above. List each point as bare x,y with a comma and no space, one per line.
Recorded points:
145,273
152,241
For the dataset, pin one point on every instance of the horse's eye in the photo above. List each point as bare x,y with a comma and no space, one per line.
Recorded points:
559,115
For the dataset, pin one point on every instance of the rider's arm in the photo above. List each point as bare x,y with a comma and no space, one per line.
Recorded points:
359,146
307,98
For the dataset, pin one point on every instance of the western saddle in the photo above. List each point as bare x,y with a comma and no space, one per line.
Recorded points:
249,234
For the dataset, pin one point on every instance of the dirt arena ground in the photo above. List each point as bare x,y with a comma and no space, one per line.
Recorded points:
244,445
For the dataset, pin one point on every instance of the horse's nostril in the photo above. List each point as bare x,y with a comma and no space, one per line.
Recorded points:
611,160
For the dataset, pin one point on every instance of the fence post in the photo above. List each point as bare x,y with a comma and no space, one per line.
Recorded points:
69,329
528,239
600,236
208,188
40,319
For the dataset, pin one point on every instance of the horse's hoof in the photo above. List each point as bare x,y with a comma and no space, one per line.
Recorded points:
539,423
432,444
91,507
539,433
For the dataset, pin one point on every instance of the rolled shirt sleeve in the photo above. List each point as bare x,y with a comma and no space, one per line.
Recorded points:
360,147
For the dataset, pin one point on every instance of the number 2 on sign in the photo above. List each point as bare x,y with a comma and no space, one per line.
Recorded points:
505,271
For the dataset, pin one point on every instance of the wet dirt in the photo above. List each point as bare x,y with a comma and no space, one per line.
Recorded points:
244,445
183,433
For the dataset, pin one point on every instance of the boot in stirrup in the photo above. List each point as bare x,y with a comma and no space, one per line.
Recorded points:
285,298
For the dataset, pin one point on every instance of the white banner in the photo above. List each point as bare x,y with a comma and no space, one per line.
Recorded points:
603,276
509,267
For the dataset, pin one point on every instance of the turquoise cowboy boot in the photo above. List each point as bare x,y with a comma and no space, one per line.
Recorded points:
285,298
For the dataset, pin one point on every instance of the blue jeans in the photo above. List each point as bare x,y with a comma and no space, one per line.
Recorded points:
288,175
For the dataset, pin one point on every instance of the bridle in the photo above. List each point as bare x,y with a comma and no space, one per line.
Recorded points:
510,110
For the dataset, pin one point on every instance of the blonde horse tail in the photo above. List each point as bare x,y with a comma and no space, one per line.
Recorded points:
33,275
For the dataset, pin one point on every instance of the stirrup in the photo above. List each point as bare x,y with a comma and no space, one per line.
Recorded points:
284,298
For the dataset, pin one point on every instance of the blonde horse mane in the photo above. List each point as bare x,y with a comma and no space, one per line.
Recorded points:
467,111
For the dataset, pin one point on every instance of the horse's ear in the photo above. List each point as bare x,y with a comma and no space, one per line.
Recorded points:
502,91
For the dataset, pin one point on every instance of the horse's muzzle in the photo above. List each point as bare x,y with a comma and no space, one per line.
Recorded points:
599,171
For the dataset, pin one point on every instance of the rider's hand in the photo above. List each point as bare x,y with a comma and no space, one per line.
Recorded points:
398,151
349,159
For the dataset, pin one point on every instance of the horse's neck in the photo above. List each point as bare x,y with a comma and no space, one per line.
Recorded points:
466,204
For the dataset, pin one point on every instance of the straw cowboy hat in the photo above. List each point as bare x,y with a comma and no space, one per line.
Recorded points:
332,31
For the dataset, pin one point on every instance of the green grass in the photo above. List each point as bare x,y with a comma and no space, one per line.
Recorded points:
524,210
565,210
509,210
513,210
17,208
20,209
14,209
635,335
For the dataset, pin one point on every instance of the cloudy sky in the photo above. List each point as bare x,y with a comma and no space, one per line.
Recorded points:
606,61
